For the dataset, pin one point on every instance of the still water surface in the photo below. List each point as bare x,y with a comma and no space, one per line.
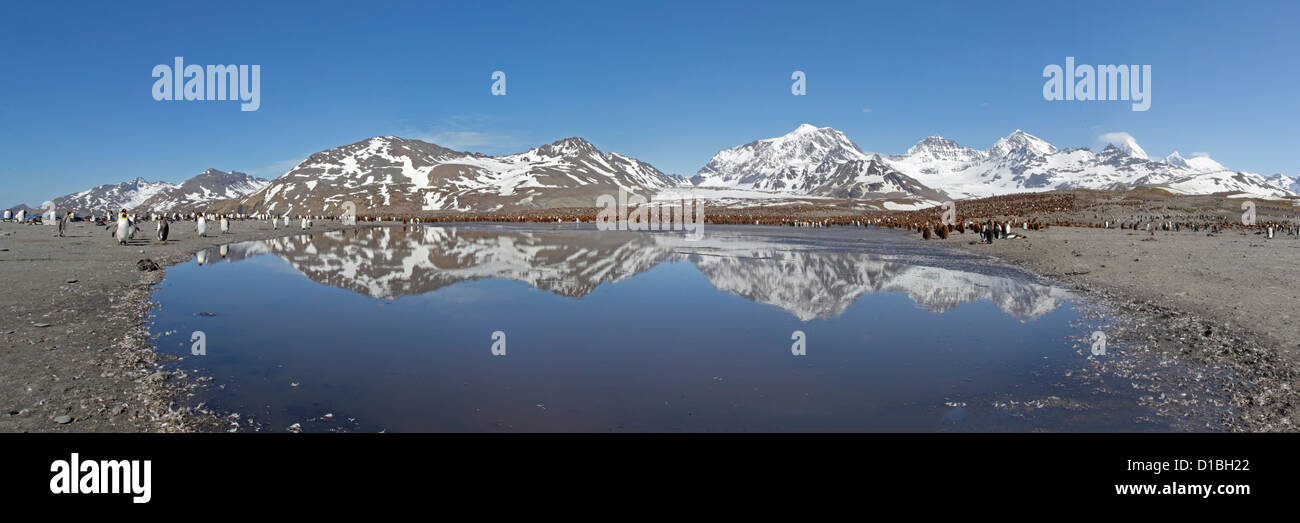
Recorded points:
393,328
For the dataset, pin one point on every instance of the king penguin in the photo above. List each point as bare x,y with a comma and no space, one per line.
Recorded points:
225,225
201,226
63,222
162,229
123,228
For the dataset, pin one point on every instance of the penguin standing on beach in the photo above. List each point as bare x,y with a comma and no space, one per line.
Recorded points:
9,215
21,216
63,222
225,224
123,228
201,226
162,229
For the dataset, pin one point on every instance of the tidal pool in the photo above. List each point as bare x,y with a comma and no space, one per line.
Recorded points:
401,329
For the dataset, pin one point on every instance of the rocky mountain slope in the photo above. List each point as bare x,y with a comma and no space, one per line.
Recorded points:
391,174
142,196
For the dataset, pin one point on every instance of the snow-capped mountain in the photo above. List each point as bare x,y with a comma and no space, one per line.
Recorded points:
1195,163
1021,162
111,197
392,174
1129,146
1020,147
1282,181
140,195
809,161
205,188
807,281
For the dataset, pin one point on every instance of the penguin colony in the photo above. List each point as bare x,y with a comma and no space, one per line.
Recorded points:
990,219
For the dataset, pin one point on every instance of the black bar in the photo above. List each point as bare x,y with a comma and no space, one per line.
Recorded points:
395,470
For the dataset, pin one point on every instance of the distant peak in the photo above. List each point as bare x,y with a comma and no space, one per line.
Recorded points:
573,140
934,145
935,140
809,131
571,146
1021,144
1126,143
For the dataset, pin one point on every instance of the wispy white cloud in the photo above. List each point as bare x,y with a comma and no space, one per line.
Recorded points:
1117,137
470,132
467,139
276,169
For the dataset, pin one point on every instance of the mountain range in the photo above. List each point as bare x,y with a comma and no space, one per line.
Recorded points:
140,195
809,162
391,174
402,175
1021,162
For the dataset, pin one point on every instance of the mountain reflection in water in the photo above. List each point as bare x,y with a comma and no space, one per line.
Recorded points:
809,281
628,331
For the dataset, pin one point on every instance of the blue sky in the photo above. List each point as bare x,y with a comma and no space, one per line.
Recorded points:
667,82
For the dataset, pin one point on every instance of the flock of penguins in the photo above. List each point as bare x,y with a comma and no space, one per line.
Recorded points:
126,226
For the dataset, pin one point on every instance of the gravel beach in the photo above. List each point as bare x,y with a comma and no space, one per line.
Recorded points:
73,338
1223,304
